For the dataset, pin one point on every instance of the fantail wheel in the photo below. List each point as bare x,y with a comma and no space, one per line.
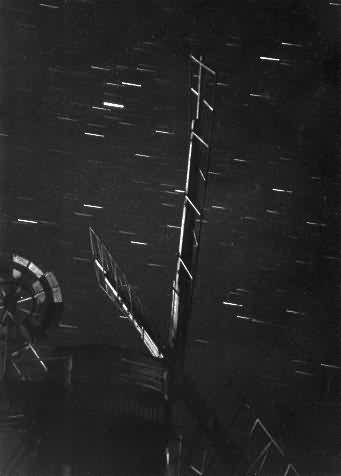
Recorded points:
30,302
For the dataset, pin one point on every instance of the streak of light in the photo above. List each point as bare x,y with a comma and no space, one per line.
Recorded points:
93,124
284,43
258,321
101,68
25,300
156,265
226,85
113,104
99,108
124,232
331,257
214,173
292,311
229,303
82,214
173,226
330,365
301,372
48,6
269,58
3,134
242,290
218,207
78,258
136,85
314,223
179,191
18,415
194,91
66,118
93,134
21,220
159,131
112,84
239,160
146,70
286,63
91,206
67,326
201,341
142,155
333,4
170,205
138,243
282,190
45,222
272,212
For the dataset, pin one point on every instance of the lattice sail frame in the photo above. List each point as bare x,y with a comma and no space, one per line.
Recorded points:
265,454
114,283
198,168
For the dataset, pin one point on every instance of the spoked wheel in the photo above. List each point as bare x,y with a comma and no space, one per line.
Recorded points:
30,302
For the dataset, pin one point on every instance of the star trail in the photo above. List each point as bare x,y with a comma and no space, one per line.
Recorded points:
95,130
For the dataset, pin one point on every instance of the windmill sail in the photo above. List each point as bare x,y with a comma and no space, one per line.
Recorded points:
114,283
198,168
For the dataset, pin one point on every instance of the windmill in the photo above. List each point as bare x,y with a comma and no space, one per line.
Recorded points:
259,450
113,281
169,357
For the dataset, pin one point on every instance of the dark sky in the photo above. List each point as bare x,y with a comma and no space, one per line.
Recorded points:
270,249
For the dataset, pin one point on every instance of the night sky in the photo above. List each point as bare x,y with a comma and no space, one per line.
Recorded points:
266,306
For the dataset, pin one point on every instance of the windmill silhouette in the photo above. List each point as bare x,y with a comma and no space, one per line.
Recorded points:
166,366
169,356
114,282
